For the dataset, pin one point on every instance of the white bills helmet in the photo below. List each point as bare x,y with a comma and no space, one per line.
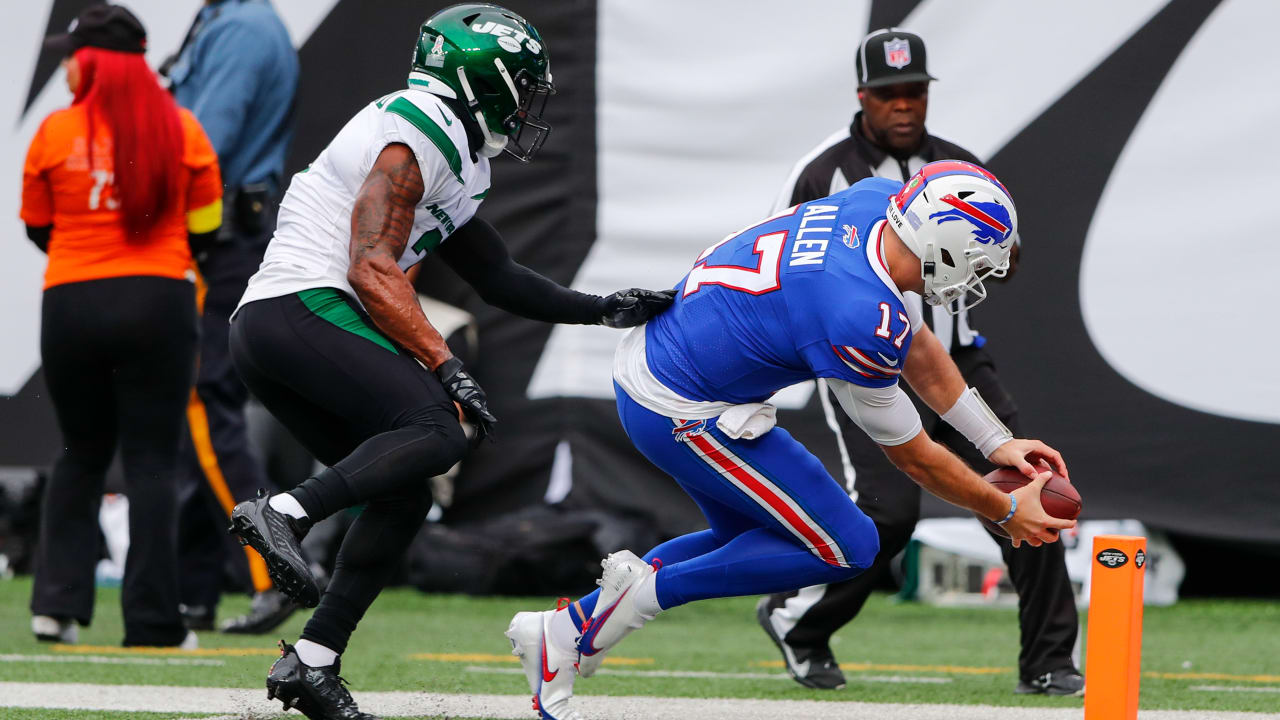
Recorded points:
960,221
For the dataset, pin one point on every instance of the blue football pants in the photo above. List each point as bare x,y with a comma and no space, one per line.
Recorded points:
778,520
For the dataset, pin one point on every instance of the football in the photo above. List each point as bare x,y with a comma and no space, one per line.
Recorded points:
1059,496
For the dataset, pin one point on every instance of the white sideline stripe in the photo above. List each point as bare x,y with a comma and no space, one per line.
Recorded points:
163,698
1233,688
106,660
709,675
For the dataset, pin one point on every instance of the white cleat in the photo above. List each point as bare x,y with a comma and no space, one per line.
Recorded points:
615,615
50,629
549,669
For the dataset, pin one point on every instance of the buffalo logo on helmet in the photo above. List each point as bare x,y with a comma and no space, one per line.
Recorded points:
990,220
897,53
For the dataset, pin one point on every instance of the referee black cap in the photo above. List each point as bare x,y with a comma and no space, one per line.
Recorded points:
891,56
110,27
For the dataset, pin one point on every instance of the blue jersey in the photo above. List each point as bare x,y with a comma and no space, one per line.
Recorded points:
803,294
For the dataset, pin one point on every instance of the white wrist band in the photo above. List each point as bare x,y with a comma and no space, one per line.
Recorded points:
971,416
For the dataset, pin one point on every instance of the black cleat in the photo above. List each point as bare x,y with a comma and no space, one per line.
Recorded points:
268,610
811,667
316,692
276,537
1064,681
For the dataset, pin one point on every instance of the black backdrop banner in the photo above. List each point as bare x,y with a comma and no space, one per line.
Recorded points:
1132,453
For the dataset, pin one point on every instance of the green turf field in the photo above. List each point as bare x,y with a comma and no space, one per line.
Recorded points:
894,653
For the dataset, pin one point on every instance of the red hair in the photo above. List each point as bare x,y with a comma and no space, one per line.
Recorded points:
119,89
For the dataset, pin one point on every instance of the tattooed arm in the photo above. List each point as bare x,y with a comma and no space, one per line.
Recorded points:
380,224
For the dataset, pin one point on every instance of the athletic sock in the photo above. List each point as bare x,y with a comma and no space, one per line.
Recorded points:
646,597
314,654
287,504
564,633
587,605
323,494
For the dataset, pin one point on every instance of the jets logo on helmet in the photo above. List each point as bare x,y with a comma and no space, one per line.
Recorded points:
494,61
960,221
509,38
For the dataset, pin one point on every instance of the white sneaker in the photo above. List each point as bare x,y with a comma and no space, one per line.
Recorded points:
549,669
615,615
50,629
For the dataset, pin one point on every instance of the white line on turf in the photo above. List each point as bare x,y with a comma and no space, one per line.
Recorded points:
704,674
1236,688
168,699
103,660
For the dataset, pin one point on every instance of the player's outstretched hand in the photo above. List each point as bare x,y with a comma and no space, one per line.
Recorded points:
466,392
628,308
1026,455
1030,523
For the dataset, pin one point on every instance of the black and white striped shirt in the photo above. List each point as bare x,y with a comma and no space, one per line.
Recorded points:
847,157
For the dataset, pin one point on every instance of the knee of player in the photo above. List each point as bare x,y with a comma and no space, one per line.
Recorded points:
444,442
860,541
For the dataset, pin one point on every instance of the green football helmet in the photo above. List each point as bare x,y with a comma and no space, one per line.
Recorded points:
495,61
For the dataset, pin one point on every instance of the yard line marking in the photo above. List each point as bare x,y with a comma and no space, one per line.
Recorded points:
710,675
1235,688
1212,676
252,703
955,669
509,658
199,652
102,660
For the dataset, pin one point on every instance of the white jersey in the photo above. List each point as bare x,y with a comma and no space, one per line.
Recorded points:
312,241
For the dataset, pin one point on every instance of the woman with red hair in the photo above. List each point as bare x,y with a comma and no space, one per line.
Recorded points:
117,189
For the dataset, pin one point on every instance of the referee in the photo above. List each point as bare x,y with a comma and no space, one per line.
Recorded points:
887,139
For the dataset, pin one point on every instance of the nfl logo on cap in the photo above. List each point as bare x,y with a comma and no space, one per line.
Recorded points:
897,53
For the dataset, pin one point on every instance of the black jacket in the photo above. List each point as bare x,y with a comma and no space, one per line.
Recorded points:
855,158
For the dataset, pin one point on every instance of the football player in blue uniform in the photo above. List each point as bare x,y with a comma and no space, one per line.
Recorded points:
813,292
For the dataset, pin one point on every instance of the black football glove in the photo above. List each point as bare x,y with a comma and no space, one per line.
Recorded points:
628,308
466,392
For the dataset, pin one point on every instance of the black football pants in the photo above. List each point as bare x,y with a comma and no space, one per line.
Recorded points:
1046,603
381,422
119,357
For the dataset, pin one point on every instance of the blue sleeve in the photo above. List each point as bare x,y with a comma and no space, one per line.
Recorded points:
225,82
858,348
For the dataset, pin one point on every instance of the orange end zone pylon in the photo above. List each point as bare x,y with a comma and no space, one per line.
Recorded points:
1114,653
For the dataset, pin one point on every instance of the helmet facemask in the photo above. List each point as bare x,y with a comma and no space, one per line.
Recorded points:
959,296
529,96
527,119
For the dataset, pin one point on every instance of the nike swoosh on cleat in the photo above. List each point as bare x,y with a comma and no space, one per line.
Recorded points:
590,637
547,675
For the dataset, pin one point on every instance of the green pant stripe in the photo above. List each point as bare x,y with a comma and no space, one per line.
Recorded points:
330,305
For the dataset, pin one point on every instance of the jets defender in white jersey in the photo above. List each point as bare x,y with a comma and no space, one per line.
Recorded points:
330,336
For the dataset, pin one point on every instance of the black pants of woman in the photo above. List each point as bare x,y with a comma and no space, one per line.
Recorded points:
119,360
